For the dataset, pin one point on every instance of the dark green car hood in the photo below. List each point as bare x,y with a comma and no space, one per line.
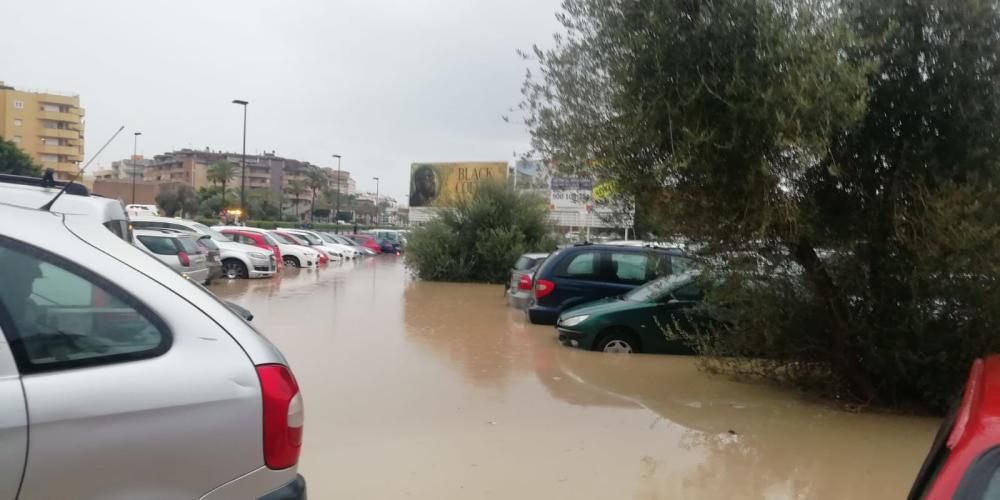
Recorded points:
609,305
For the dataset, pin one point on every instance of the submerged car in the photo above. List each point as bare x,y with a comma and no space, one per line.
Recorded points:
653,318
585,273
520,285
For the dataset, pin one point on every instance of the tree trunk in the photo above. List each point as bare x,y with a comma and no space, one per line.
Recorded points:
843,357
223,195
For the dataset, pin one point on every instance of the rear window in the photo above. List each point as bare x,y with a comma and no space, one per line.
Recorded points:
525,263
159,245
188,245
208,243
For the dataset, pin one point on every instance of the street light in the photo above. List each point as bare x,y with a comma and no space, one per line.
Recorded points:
336,215
135,153
243,170
376,200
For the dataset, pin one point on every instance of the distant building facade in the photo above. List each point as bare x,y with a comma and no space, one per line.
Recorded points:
46,126
125,169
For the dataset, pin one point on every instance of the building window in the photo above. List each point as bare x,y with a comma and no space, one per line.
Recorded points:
48,158
18,122
16,139
18,104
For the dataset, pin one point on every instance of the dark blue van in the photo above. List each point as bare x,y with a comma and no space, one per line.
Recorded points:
585,273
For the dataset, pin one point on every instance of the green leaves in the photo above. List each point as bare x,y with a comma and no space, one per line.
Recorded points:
481,237
854,140
14,161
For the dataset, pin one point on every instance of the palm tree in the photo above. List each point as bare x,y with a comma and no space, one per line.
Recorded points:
296,188
316,179
221,172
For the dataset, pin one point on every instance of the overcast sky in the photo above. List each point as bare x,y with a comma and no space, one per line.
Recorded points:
383,83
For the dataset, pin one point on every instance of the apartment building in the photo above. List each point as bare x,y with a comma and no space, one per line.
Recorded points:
125,169
46,126
265,171
341,181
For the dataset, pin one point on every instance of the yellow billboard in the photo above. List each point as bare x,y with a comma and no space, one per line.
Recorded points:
443,184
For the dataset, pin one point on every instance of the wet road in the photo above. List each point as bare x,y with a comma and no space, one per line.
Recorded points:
438,391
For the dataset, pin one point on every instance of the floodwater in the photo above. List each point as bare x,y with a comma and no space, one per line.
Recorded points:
439,391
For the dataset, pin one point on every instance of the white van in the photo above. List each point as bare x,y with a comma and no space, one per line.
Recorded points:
76,202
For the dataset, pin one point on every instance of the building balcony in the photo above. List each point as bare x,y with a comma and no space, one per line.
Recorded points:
59,150
59,116
59,133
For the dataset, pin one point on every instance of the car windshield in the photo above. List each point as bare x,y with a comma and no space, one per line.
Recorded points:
327,238
310,238
269,240
283,239
658,288
217,236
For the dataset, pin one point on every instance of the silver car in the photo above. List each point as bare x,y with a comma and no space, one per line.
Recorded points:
178,251
131,381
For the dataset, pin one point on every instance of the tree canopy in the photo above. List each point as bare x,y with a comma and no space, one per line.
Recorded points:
15,161
853,142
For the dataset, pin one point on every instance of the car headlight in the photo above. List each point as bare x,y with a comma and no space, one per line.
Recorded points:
257,255
575,320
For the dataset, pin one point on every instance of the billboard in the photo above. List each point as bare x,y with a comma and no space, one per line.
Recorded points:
442,184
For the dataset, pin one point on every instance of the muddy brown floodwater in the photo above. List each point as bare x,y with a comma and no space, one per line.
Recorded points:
439,391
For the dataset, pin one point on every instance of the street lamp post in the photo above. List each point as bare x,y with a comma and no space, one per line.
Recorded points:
336,214
135,153
243,170
376,200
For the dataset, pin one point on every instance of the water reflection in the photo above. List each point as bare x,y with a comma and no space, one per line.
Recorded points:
459,397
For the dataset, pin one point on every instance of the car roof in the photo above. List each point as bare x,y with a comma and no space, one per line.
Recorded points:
30,192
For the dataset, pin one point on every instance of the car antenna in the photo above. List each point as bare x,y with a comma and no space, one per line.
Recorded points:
48,206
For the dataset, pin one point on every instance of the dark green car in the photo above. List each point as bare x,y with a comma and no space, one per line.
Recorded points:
650,318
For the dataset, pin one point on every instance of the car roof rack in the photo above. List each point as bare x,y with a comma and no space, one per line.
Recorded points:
29,180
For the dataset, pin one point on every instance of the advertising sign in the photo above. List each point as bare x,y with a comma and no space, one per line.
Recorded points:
442,184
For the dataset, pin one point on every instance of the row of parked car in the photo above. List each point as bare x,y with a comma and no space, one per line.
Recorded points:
204,253
131,380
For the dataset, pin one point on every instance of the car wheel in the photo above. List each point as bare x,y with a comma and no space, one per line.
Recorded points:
233,268
618,342
291,261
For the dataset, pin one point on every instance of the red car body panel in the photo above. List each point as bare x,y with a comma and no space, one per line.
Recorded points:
366,241
969,432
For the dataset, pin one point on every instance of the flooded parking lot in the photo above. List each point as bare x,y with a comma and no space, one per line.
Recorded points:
436,390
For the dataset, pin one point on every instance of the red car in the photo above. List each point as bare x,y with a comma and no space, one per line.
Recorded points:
366,240
254,238
323,259
964,461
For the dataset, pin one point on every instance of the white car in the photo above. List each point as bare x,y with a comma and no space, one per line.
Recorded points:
238,260
291,249
336,251
292,254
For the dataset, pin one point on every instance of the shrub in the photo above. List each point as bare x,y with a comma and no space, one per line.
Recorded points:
481,237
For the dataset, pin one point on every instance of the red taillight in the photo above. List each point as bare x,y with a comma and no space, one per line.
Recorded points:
524,282
543,288
283,416
185,260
